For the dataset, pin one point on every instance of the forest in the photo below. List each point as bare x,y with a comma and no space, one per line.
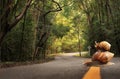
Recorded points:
33,29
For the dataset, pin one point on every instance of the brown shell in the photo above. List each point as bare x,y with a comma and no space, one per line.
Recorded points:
104,45
103,57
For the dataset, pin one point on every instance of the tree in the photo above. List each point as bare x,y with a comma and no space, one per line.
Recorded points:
43,31
6,21
9,17
102,21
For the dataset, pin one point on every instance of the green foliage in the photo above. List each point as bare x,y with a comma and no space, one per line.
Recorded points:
65,25
60,30
11,46
102,18
77,26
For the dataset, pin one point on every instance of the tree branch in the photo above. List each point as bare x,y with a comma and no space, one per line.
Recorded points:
19,17
55,10
6,10
60,7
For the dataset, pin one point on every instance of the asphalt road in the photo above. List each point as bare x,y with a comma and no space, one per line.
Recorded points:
111,71
65,66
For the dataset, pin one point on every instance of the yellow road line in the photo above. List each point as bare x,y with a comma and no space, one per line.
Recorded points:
93,73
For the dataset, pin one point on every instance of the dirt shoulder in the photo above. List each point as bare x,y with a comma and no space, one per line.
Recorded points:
14,64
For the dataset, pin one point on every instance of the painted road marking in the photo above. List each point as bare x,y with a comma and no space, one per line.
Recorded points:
93,73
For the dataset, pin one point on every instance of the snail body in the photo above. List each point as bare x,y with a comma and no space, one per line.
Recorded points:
102,54
104,45
103,57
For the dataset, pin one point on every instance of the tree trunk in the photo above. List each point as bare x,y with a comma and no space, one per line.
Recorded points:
5,26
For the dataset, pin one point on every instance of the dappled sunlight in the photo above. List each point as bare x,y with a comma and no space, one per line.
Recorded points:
84,54
70,54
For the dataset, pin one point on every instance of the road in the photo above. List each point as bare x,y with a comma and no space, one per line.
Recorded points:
112,71
65,66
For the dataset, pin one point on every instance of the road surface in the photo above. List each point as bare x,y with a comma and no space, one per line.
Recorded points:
65,66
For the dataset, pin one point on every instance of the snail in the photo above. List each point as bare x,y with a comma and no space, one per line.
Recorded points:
103,46
102,55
